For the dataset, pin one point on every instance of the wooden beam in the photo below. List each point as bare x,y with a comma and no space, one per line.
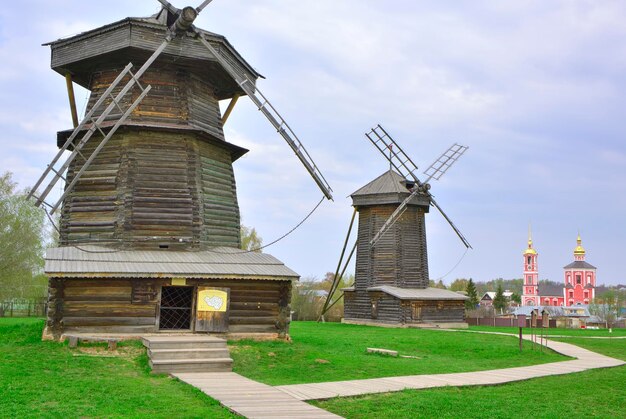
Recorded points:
70,94
230,107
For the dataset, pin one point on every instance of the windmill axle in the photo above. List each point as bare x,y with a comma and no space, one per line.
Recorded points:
185,19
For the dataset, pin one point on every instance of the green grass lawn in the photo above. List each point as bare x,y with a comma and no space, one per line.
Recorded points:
595,393
553,331
47,379
615,348
333,352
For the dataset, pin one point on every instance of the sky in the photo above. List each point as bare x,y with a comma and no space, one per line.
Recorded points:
536,90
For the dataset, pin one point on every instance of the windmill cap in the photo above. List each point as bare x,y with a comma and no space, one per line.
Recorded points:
135,39
388,188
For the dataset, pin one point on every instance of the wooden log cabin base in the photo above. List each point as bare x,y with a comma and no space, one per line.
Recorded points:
408,307
137,300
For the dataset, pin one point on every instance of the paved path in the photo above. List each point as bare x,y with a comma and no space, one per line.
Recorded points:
250,398
255,400
585,360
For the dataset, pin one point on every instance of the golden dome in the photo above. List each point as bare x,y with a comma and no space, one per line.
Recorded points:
579,250
530,250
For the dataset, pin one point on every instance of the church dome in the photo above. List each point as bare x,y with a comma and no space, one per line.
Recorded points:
579,250
530,250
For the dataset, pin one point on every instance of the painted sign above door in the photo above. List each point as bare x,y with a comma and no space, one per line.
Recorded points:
212,300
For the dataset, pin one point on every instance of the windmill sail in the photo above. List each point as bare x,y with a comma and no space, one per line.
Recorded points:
274,117
89,125
403,164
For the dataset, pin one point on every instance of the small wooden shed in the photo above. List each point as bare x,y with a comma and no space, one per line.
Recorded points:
98,289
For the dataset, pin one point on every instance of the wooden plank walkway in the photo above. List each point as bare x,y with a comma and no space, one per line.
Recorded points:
250,398
585,360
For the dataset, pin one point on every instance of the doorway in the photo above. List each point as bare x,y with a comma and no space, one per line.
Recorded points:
176,308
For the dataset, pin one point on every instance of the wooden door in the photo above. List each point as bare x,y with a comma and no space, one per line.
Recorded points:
212,306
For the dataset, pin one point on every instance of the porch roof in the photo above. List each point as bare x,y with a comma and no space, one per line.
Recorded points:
89,261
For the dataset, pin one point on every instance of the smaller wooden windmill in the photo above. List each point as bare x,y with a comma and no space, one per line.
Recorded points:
391,279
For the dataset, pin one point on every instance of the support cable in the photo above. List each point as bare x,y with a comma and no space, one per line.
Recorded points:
455,266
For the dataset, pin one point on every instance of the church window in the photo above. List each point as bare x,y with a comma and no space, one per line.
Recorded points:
529,261
578,279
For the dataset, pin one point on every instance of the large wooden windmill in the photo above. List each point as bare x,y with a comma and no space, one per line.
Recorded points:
391,278
149,219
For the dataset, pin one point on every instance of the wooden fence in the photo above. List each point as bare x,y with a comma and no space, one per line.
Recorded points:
504,322
23,308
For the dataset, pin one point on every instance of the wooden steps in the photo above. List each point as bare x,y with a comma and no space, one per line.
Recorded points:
185,354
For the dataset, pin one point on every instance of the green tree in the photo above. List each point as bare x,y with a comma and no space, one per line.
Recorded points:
250,239
459,284
309,295
499,301
22,239
517,298
472,303
307,299
437,284
335,313
607,306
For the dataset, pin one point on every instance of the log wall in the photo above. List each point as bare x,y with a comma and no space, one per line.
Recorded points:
133,305
151,189
178,97
358,306
433,311
400,257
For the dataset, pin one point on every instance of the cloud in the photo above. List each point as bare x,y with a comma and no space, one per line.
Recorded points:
534,88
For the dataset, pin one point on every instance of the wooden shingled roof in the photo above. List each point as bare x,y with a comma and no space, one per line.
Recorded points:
388,188
134,39
222,262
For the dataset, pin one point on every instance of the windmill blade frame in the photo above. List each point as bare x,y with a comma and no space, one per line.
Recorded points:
444,162
454,227
274,117
400,161
183,23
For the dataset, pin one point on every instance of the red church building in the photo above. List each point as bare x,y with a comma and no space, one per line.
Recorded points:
530,291
580,278
579,281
